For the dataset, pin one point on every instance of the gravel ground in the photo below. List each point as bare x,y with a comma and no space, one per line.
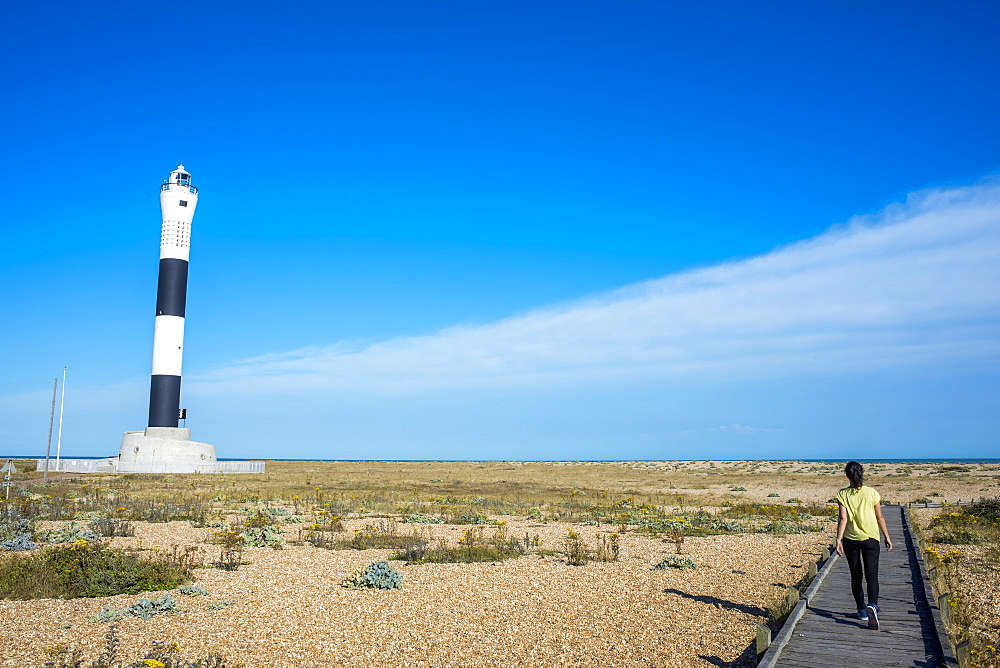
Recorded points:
981,583
289,609
979,574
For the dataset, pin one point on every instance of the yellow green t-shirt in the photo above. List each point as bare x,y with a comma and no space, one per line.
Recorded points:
860,503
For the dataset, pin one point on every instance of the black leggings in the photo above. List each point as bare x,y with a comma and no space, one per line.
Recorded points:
865,552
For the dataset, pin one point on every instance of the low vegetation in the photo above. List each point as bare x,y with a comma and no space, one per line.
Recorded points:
974,524
161,655
378,575
673,561
474,546
962,549
56,539
144,608
91,569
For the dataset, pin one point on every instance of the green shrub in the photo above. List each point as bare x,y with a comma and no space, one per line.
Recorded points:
987,510
69,533
17,531
673,561
974,524
608,547
960,536
722,525
971,525
106,615
474,546
18,537
230,549
144,608
381,534
193,590
759,510
90,569
377,575
665,526
780,607
260,529
576,550
781,528
158,510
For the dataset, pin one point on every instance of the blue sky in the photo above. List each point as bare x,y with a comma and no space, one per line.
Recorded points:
548,230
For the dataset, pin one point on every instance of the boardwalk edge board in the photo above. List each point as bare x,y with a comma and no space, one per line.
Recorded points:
947,647
771,654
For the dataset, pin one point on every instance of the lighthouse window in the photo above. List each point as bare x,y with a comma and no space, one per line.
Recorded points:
183,202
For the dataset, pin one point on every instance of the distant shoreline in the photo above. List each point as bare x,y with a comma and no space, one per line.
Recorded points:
919,460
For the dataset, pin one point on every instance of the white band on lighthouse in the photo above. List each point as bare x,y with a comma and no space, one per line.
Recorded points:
168,345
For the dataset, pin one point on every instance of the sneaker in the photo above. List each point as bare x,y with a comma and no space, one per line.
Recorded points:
872,611
863,614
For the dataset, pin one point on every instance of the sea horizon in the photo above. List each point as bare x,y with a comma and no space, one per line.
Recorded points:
916,460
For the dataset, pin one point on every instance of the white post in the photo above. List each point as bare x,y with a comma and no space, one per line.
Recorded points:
62,405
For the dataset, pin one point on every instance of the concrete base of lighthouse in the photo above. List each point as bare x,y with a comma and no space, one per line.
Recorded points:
156,450
171,450
163,449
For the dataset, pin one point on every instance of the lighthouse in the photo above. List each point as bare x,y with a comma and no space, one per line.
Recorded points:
178,200
163,446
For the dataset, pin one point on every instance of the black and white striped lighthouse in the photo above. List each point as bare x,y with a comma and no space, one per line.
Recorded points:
163,447
178,200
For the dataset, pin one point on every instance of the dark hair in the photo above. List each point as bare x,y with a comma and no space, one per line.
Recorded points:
855,472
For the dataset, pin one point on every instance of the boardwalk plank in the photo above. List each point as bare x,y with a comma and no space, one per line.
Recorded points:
858,658
895,639
829,634
832,643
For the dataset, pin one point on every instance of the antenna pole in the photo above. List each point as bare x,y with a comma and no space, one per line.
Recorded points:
62,405
52,416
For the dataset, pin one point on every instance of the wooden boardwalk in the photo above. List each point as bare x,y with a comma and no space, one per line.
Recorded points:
829,633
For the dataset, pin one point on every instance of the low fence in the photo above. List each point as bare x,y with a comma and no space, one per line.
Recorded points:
112,465
768,650
937,589
939,504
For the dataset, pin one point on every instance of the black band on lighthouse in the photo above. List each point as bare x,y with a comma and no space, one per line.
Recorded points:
171,287
164,400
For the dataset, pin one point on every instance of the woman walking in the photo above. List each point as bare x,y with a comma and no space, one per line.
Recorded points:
858,539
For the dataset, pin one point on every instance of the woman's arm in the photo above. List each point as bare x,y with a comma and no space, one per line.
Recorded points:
881,525
841,527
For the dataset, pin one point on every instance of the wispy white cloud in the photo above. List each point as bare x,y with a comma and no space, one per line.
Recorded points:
916,284
740,429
